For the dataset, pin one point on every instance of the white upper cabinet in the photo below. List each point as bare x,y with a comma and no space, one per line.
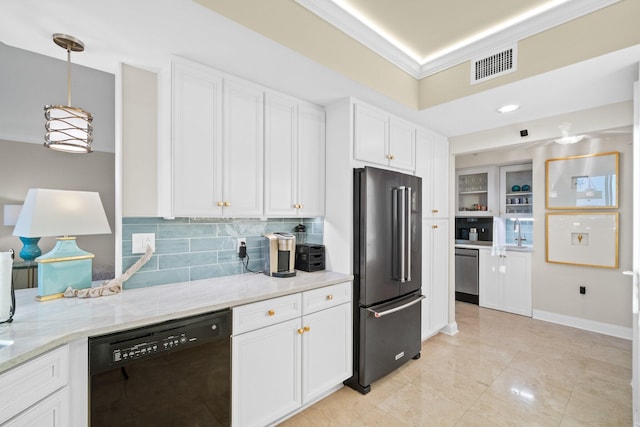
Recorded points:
242,150
294,157
432,165
217,144
382,139
477,192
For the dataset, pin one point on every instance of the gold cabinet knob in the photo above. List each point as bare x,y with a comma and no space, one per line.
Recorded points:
227,203
390,156
297,206
220,203
271,312
329,297
301,331
307,328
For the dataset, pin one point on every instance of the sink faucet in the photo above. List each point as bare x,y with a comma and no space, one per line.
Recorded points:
517,229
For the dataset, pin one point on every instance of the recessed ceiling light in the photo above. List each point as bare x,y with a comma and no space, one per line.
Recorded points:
508,108
571,139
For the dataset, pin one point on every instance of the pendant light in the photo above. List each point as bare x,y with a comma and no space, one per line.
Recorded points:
69,129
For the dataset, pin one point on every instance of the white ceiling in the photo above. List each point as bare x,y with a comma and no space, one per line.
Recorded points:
147,32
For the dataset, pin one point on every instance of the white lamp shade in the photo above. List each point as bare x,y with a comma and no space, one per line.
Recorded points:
11,214
47,213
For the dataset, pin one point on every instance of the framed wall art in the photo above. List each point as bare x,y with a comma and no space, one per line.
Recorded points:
583,182
588,239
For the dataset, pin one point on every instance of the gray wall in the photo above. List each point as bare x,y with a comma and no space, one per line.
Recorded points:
28,81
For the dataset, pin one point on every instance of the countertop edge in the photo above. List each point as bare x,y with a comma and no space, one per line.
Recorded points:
251,288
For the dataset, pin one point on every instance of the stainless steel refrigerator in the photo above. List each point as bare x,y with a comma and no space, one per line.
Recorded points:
387,273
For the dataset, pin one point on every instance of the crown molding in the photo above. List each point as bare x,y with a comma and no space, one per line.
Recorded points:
350,25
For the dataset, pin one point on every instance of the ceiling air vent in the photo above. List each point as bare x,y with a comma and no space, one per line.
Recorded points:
494,64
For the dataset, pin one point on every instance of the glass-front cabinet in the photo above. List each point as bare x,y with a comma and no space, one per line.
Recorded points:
476,192
516,191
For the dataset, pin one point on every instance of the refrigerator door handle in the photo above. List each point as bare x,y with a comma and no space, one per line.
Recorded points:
403,232
408,233
393,310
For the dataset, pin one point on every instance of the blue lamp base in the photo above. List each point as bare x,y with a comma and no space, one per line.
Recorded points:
66,265
30,250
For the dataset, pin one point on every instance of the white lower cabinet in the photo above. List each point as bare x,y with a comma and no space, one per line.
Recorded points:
291,351
505,281
40,391
435,275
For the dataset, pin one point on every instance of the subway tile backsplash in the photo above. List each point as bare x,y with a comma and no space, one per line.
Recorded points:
201,248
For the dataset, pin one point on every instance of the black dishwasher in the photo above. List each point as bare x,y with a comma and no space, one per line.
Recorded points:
175,373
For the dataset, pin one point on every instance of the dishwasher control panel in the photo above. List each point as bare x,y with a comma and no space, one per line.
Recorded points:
117,349
148,348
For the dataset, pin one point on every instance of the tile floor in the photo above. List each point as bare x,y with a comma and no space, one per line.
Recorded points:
499,370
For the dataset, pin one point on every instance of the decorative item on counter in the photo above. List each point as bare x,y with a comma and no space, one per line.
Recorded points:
113,286
526,188
515,188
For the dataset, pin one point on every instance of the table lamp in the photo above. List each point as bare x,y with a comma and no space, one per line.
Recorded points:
55,213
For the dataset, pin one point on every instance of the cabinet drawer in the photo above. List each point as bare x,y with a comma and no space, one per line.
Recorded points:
329,296
264,313
25,385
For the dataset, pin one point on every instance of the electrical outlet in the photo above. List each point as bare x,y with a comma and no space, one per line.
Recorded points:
140,241
583,290
240,241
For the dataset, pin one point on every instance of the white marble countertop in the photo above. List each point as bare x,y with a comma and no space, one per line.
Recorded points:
41,326
514,248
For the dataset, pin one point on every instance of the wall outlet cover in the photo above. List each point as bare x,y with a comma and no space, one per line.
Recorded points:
140,241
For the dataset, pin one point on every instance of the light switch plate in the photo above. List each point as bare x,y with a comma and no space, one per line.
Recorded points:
140,241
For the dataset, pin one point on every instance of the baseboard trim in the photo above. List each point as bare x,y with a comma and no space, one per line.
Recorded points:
588,325
450,329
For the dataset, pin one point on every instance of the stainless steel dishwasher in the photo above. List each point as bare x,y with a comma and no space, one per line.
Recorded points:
467,275
175,373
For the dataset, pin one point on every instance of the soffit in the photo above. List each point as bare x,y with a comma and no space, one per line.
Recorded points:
424,37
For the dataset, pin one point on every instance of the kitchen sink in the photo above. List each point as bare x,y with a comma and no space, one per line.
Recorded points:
519,248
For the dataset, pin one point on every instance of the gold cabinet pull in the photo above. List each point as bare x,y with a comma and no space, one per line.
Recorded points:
220,203
390,156
301,331
434,226
297,206
434,211
329,297
227,203
307,328
271,312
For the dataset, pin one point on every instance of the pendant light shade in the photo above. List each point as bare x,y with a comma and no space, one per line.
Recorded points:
69,129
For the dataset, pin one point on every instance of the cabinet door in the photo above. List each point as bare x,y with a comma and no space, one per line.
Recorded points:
440,274
326,350
311,160
266,374
281,156
197,161
242,149
402,145
517,283
440,177
435,276
490,280
371,132
50,412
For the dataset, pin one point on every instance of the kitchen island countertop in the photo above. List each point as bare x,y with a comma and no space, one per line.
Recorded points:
41,326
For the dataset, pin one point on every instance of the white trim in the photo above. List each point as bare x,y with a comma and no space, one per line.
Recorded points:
587,325
350,25
450,329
